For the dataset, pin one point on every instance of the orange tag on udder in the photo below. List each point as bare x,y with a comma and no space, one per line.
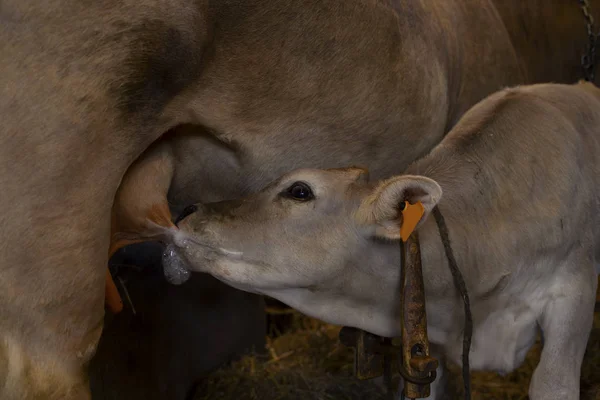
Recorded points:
411,215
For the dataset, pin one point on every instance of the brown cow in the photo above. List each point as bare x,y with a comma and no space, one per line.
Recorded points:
520,175
266,86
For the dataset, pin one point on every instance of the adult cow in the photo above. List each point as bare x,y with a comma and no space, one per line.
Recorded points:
520,174
87,86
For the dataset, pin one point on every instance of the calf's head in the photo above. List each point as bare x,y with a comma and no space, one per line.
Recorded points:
313,239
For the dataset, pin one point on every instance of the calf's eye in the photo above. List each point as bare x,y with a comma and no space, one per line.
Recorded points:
300,191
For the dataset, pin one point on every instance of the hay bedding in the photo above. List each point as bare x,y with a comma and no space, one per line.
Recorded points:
306,362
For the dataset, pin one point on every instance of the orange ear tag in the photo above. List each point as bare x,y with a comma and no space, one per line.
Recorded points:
411,215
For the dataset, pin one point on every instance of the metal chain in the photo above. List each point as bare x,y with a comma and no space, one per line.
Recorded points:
588,60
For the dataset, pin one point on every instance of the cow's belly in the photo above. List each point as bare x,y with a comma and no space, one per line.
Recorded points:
501,338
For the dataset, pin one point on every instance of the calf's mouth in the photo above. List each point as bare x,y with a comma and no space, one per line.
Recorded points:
184,250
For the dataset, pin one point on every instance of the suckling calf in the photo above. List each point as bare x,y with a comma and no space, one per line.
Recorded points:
517,182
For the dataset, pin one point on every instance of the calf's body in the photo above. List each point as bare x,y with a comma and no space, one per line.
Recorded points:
519,176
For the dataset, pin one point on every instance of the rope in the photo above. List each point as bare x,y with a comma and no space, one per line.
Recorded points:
459,282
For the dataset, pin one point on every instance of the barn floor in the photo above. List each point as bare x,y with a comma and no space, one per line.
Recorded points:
307,362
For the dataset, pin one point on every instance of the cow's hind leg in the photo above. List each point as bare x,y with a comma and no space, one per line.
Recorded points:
566,321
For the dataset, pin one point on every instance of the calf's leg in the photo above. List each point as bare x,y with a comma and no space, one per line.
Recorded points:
566,322
439,387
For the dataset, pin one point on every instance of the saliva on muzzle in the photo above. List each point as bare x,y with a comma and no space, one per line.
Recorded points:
174,267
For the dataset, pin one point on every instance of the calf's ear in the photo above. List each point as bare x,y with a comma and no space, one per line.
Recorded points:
382,209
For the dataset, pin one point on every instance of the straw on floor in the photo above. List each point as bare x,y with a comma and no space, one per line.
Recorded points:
307,362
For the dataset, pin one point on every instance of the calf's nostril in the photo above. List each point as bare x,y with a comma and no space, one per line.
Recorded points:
186,211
